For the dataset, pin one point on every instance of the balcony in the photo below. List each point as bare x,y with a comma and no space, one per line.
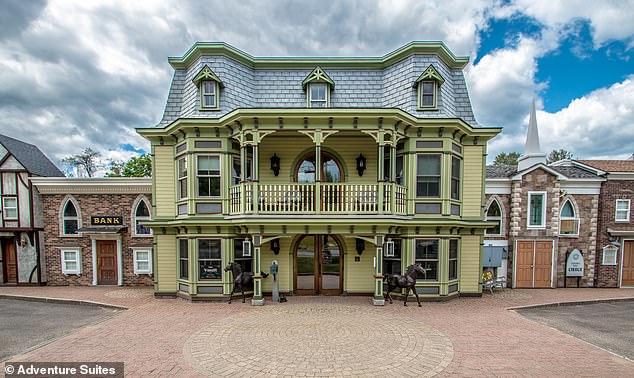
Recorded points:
317,198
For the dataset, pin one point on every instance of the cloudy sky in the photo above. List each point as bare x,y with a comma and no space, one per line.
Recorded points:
75,74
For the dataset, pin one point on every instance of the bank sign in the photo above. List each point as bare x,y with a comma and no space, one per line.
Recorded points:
106,220
574,264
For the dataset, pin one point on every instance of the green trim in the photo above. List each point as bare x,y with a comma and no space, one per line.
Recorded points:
318,75
431,74
217,97
224,49
206,74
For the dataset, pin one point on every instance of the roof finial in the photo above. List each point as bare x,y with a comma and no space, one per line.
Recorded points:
532,151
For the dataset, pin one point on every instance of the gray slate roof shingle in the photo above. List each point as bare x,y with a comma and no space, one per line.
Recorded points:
508,171
501,171
31,157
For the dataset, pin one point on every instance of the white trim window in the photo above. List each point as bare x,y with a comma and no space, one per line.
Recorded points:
208,94
142,260
142,213
610,253
536,216
71,261
568,221
208,175
318,93
70,218
10,208
622,210
494,213
181,167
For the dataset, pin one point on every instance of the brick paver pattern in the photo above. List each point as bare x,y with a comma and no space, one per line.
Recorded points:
158,337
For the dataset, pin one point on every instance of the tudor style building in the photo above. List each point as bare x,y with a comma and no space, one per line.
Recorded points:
340,169
21,223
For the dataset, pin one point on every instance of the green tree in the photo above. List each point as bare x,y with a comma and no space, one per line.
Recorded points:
506,159
85,163
139,166
561,154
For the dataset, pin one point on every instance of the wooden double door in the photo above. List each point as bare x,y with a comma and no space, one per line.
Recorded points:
9,262
318,265
533,264
627,271
107,262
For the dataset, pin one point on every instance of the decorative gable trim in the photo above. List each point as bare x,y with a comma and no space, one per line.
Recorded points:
430,74
318,75
206,74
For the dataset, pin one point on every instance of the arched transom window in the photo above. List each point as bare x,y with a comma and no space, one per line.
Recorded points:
568,220
70,219
141,213
494,213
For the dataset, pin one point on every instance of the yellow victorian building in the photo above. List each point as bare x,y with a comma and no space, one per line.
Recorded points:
340,169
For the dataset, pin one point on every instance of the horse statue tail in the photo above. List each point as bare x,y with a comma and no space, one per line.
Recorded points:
264,275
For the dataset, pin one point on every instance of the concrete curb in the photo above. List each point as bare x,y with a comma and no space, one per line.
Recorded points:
572,303
61,301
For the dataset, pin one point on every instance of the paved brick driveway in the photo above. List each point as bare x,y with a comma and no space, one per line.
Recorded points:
476,336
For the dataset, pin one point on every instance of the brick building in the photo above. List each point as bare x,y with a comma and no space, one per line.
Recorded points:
545,212
93,231
615,243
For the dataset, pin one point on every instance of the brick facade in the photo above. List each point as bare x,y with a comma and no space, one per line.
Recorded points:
611,190
90,205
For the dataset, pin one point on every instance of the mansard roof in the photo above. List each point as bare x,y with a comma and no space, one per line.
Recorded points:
31,157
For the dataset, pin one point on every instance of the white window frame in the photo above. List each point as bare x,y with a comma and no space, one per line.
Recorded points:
136,218
213,94
310,95
528,212
219,175
5,208
493,218
135,252
616,211
573,218
77,252
614,249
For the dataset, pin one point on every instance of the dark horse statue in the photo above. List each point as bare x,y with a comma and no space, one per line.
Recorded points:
242,280
406,281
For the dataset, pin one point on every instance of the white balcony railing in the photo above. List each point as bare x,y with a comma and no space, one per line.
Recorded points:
318,198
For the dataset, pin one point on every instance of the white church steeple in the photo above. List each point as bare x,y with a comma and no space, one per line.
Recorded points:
532,152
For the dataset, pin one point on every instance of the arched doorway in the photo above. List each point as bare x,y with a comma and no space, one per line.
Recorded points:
318,265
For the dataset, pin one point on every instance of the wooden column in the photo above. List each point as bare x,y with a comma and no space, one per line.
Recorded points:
377,299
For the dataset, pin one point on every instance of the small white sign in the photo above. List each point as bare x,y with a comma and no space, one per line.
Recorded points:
574,264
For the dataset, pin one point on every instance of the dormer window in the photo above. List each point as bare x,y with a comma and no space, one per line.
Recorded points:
209,86
428,84
318,86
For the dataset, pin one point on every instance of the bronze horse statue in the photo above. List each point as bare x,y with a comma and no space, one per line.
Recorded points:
243,280
406,281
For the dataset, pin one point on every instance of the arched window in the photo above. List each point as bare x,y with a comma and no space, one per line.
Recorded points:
70,218
494,213
568,221
141,213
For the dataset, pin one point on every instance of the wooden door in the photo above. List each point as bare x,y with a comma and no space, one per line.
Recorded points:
524,264
318,266
543,263
627,273
10,262
106,262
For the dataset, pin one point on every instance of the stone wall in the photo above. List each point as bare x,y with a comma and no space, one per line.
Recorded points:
90,204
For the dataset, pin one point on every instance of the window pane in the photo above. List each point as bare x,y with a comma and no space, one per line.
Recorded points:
235,173
10,213
453,269
622,205
204,186
208,165
432,271
182,168
209,270
215,186
142,255
184,269
536,205
70,227
318,92
453,249
71,265
428,100
317,104
142,210
209,87
494,210
143,265
399,170
428,87
70,256
428,165
141,229
69,210
183,248
208,249
427,250
209,101
568,210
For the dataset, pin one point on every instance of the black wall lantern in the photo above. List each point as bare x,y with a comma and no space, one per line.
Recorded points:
275,164
275,246
360,244
360,164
